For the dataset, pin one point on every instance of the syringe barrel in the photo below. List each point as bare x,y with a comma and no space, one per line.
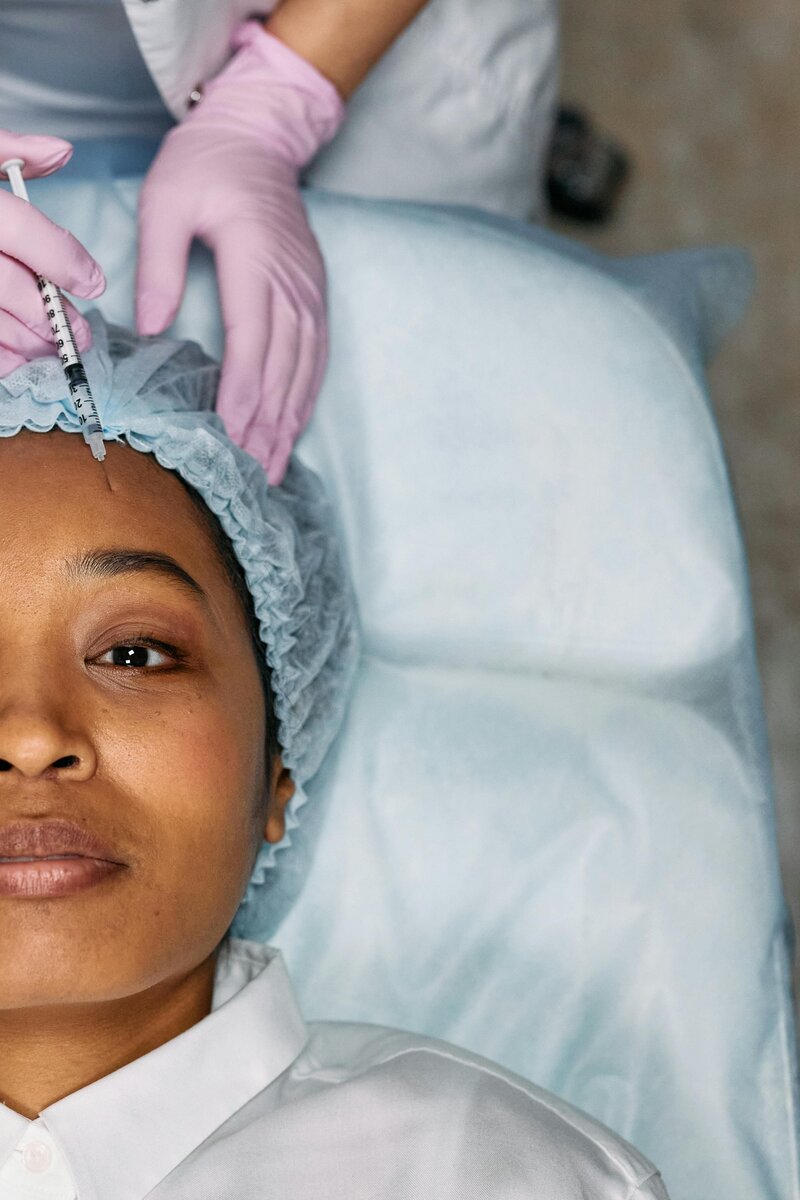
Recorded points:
61,329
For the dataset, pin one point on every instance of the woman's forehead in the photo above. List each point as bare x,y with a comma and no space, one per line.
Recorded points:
55,498
40,456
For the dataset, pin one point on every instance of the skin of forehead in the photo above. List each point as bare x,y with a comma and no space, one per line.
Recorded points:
56,499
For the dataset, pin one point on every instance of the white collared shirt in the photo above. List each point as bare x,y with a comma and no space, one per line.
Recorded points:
251,1102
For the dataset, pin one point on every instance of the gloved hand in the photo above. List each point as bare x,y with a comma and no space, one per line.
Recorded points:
228,174
29,243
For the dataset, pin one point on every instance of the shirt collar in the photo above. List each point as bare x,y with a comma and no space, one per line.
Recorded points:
125,1132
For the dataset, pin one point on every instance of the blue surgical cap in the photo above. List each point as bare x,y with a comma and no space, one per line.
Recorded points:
158,394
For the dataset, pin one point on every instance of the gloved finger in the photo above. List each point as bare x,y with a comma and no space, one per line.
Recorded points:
279,459
9,361
280,368
320,366
239,392
315,349
164,241
298,402
285,443
42,154
80,327
248,318
19,283
33,239
17,337
260,433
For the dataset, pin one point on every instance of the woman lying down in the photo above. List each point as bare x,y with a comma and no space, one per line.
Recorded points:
177,641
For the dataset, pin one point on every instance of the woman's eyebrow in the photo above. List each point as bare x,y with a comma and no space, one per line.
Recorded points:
104,564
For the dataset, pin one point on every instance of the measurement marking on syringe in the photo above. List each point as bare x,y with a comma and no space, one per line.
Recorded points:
77,383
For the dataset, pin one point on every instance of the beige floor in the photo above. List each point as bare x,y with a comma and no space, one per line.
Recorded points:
706,95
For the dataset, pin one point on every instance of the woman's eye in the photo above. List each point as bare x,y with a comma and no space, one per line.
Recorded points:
137,656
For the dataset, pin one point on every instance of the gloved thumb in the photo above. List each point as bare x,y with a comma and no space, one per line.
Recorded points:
164,241
41,154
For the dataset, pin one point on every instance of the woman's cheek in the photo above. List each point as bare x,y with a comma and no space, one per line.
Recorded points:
193,768
214,794
221,749
166,742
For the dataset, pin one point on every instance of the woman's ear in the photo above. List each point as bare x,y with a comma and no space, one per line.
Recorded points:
281,790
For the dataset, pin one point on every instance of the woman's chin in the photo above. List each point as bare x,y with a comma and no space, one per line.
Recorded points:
58,951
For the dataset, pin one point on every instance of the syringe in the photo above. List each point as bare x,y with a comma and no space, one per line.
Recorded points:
53,301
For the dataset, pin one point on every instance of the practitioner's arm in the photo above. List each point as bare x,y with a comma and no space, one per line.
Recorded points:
343,39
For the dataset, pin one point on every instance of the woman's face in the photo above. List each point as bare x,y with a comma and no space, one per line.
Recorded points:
131,705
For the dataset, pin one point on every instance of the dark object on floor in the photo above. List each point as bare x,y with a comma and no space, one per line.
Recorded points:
586,169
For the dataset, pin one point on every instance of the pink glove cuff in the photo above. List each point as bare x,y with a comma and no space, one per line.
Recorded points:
269,90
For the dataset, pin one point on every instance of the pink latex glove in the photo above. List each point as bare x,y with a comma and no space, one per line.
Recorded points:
228,174
30,243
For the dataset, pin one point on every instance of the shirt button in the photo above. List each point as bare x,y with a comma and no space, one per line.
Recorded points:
37,1156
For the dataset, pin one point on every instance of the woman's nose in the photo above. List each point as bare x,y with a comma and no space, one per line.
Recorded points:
37,744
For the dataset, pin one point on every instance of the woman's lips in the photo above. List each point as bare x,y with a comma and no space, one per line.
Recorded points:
55,876
54,836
